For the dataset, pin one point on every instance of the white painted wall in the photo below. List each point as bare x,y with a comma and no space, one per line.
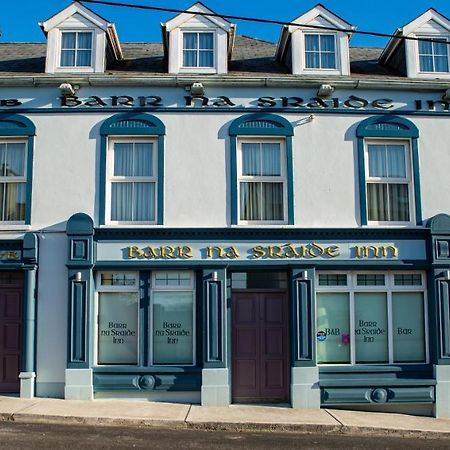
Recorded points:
67,150
52,315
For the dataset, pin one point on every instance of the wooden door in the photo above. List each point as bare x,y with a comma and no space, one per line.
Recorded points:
10,338
260,347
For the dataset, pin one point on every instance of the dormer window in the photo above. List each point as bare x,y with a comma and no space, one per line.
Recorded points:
433,55
320,51
80,41
308,50
76,49
198,49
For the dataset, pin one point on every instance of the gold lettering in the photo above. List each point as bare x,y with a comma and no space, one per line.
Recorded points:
393,249
149,252
134,252
209,251
167,251
315,250
232,252
366,251
185,251
275,251
292,249
332,251
258,251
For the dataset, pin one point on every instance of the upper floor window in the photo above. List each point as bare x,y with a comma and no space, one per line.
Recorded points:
262,181
132,180
132,170
433,55
13,180
76,49
388,181
198,49
261,170
320,51
388,164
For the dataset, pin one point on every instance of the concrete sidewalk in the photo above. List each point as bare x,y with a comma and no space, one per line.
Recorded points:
235,417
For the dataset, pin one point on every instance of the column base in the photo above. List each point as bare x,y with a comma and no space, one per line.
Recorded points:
79,384
27,384
215,387
442,403
305,391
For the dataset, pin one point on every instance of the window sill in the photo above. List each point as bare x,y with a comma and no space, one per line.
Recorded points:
5,226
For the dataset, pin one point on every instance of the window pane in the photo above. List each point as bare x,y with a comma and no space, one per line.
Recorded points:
68,58
173,327
328,61
408,326
190,58
440,48
272,201
118,328
83,58
251,159
441,64
370,280
121,201
333,328
190,41
271,159
143,159
398,202
332,279
426,63
206,58
396,161
312,60
173,278
327,43
259,280
404,279
68,40
371,335
377,160
377,201
14,201
144,202
312,42
85,41
123,159
206,41
15,160
250,201
118,279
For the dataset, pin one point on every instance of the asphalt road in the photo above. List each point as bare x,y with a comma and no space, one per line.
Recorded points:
48,436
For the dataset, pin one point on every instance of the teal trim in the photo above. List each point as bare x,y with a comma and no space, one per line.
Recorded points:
388,126
17,125
260,125
290,181
132,124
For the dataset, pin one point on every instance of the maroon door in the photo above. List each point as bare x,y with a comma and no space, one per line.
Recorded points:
260,346
10,338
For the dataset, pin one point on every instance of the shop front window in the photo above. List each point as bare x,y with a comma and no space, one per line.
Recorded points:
160,318
371,318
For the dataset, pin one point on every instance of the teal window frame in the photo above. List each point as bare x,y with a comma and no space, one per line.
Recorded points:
13,126
135,125
385,127
264,126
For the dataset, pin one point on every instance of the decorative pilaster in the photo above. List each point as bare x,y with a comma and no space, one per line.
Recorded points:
215,374
80,232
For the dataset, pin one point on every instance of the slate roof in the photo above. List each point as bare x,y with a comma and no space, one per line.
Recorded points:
251,57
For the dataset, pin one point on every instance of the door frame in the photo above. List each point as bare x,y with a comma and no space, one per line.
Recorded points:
286,292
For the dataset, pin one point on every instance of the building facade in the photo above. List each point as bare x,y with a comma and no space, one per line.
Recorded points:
218,219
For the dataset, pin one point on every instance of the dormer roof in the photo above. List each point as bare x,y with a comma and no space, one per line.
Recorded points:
432,17
77,8
199,10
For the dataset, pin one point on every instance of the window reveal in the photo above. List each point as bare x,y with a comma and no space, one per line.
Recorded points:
320,51
433,55
198,49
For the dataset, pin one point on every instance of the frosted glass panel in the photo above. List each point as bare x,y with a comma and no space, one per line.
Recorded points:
371,332
333,328
118,328
173,327
408,326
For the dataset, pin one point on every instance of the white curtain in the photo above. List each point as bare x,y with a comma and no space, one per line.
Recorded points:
84,50
387,161
396,161
398,202
328,54
261,201
190,49
261,159
377,201
68,45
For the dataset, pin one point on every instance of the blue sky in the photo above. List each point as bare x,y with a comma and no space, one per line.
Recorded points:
19,19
